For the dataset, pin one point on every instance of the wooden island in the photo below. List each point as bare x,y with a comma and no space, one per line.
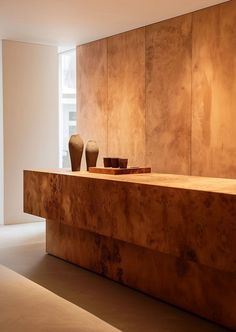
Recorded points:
170,236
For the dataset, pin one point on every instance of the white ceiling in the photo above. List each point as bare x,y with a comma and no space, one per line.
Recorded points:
71,22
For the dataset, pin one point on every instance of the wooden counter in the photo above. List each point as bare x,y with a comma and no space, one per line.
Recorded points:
173,237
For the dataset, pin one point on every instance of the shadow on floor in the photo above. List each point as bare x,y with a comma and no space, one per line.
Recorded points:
122,307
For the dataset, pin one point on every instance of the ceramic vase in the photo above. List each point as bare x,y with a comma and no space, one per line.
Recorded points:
91,154
76,147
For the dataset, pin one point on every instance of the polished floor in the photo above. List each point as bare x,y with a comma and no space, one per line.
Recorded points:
22,249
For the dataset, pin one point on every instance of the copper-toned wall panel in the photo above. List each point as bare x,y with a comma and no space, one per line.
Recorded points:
177,107
214,91
174,280
126,96
168,95
92,94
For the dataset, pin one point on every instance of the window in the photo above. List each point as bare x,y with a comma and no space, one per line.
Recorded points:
67,91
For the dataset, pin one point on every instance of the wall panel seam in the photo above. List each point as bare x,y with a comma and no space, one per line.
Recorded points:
191,109
145,90
107,105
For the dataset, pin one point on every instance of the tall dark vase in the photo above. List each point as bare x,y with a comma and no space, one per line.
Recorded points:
76,147
91,153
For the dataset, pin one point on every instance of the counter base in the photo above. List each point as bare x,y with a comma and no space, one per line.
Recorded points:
171,279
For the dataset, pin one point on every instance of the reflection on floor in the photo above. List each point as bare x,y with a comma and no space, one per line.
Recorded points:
22,250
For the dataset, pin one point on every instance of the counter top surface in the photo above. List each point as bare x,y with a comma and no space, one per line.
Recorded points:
219,185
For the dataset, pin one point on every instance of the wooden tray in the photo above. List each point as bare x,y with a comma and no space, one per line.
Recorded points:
119,171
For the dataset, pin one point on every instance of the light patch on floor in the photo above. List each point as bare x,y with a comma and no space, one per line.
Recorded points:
20,235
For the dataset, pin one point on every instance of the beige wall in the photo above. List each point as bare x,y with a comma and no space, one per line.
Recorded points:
164,95
1,139
30,100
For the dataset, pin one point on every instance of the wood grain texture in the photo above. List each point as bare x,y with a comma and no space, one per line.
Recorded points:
168,95
214,90
92,94
45,201
208,292
197,226
196,183
126,96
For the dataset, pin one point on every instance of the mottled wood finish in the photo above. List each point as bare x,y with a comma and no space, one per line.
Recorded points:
151,216
196,183
126,96
190,232
92,94
168,95
202,290
214,90
45,201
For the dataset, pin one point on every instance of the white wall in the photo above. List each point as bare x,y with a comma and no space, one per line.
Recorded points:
1,139
30,103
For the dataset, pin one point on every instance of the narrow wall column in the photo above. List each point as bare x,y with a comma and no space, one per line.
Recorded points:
92,94
214,89
30,103
126,96
168,95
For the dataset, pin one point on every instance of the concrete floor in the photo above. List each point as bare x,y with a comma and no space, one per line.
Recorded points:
26,306
22,249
